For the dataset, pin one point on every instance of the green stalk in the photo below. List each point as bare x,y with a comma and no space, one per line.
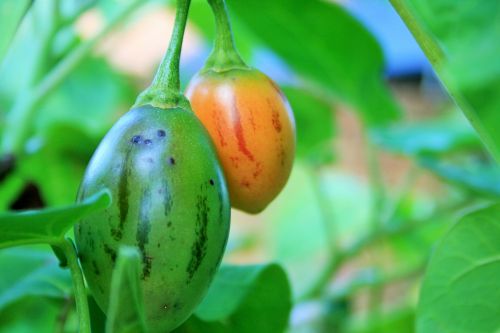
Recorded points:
82,307
431,50
376,183
324,205
165,90
436,57
224,55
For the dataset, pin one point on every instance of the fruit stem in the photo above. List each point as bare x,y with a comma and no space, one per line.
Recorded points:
164,91
82,307
224,55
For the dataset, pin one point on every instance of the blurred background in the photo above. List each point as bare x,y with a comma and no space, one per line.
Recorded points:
385,160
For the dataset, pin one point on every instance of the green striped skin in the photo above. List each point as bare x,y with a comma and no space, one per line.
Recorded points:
169,200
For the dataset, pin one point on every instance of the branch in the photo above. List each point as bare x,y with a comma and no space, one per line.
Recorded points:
82,307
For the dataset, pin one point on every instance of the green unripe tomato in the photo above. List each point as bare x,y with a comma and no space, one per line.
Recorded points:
169,201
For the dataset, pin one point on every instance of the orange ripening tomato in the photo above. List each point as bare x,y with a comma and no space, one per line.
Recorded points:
253,129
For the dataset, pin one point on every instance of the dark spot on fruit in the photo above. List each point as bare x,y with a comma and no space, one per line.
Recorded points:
146,270
171,161
282,156
211,181
245,183
111,252
199,247
169,224
258,170
252,121
172,238
91,243
161,133
177,306
167,200
116,234
96,269
123,191
143,230
148,142
221,206
136,139
158,245
276,121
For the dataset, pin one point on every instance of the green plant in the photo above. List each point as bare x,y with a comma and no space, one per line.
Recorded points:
409,245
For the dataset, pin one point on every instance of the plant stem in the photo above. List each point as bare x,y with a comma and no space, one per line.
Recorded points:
404,190
383,279
82,307
336,260
224,55
376,182
324,205
63,315
431,49
436,57
20,117
164,91
46,42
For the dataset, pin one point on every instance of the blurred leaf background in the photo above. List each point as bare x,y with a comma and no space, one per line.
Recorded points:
385,161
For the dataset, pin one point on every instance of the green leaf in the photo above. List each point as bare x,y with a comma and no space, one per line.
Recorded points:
126,306
480,178
460,291
241,299
58,166
324,43
437,136
315,121
22,261
11,14
92,99
48,225
33,314
69,126
48,281
460,38
32,284
396,321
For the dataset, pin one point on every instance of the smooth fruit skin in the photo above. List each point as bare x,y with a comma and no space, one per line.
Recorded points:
253,129
169,201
